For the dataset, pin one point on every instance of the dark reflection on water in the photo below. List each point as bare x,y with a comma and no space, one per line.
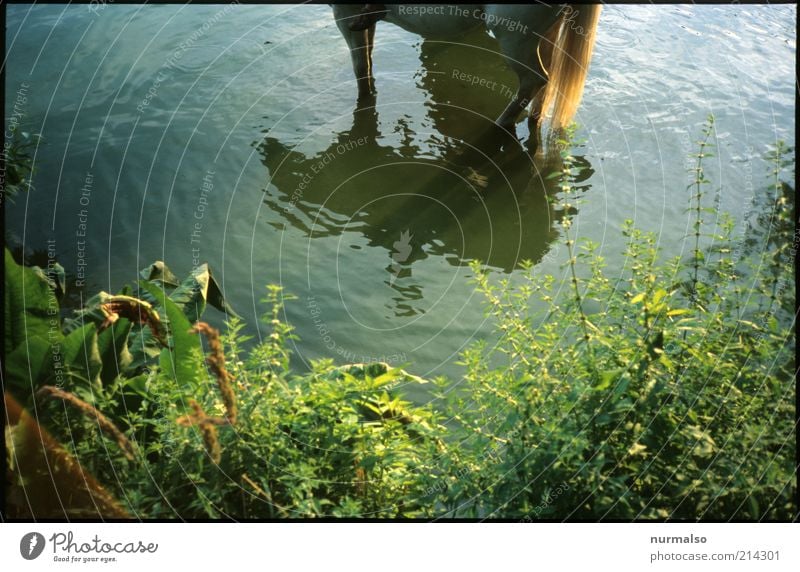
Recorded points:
465,205
463,190
472,192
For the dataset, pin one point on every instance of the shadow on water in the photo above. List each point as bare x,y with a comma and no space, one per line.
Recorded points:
463,190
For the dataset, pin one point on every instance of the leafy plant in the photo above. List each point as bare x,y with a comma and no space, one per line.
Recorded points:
18,164
145,415
673,403
662,391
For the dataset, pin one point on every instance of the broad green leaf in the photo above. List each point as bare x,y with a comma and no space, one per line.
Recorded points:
31,308
137,385
55,277
113,346
197,290
158,271
622,385
90,313
29,366
81,353
144,347
180,359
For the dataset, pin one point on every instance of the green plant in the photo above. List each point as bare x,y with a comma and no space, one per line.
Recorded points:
664,391
672,402
176,434
17,164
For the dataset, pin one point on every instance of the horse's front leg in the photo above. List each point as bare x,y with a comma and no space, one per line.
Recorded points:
360,44
369,88
361,55
521,54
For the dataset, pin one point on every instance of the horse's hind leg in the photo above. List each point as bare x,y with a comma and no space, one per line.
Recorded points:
536,107
520,49
530,84
521,55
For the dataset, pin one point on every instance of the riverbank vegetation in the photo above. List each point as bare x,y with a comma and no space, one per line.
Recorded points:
660,390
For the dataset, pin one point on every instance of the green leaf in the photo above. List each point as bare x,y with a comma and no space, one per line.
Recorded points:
180,360
55,277
622,385
755,512
113,346
81,353
636,449
607,377
29,366
137,385
143,346
591,326
658,295
197,290
31,308
678,312
90,313
638,298
159,272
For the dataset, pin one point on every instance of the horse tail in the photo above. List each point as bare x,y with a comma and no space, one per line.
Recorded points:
569,61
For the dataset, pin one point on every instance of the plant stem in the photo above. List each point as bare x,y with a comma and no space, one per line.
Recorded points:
698,181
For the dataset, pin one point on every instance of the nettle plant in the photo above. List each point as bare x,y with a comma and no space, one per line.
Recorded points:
661,391
665,391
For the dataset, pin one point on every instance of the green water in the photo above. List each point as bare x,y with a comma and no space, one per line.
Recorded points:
227,134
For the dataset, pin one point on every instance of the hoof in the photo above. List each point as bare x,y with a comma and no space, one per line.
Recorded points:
509,128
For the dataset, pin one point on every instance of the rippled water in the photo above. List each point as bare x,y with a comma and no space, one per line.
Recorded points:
226,134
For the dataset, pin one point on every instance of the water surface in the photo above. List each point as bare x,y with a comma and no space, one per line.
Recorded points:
227,134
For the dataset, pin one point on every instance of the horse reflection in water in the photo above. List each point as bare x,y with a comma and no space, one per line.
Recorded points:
461,191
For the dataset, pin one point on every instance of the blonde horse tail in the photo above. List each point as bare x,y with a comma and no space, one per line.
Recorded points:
569,62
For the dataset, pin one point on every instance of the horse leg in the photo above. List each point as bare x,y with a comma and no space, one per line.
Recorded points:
520,49
361,56
366,89
536,107
360,44
529,85
521,56
371,44
534,121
